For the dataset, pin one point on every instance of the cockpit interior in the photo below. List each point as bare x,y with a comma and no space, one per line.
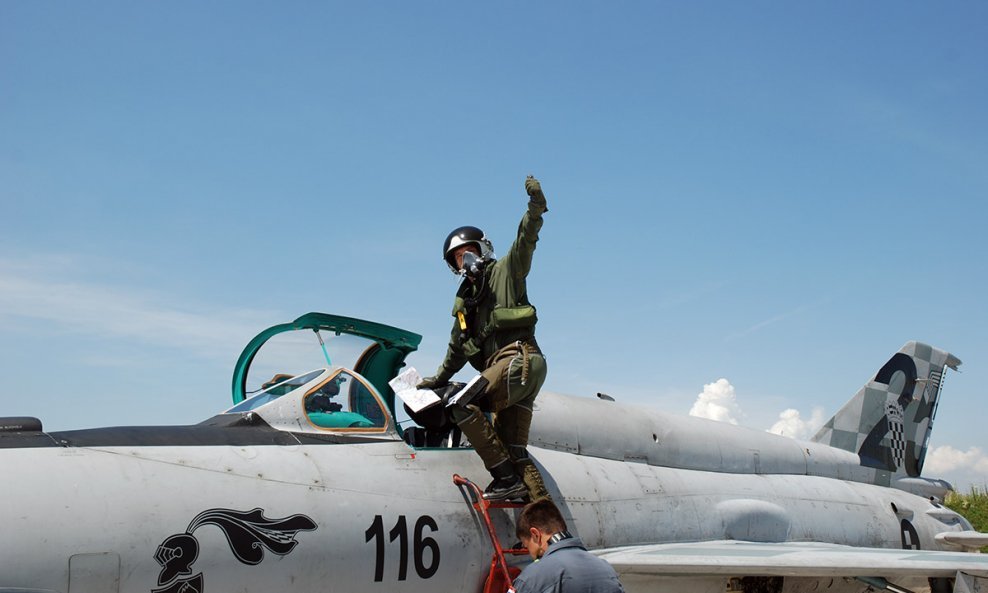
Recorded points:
332,398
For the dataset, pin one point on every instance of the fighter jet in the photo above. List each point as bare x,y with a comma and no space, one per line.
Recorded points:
310,484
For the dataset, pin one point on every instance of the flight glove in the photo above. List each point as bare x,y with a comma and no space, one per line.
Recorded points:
432,383
534,190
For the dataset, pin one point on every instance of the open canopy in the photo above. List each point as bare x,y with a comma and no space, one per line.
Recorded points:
379,363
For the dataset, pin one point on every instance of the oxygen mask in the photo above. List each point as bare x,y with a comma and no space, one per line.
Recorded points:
473,264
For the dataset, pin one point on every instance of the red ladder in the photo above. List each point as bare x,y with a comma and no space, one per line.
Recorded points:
501,575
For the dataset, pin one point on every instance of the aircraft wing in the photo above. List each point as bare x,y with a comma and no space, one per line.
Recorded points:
797,559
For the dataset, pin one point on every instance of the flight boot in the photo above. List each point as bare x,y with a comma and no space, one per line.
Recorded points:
506,485
530,474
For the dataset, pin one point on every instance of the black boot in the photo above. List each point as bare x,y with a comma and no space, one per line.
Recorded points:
506,485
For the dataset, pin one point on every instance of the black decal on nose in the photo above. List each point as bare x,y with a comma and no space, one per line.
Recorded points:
176,554
193,585
249,533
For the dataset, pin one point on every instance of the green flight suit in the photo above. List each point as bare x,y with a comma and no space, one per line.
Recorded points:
499,341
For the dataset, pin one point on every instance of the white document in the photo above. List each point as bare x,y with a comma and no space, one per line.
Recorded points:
466,388
404,386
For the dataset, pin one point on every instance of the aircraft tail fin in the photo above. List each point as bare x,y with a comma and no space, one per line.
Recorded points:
889,421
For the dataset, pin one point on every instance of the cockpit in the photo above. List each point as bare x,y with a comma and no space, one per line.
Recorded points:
350,398
329,399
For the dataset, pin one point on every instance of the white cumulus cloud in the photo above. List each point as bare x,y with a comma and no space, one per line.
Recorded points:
791,424
717,402
945,459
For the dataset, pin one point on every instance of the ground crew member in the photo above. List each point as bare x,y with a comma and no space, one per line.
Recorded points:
562,563
494,330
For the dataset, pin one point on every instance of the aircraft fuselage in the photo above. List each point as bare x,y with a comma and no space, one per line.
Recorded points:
385,516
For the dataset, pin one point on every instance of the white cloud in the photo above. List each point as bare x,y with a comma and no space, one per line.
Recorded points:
792,425
717,402
945,459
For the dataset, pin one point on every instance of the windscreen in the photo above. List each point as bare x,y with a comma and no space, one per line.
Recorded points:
295,352
272,392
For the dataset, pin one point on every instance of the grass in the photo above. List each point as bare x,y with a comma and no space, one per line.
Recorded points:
974,507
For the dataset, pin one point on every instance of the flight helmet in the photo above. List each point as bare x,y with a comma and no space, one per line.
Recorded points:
466,235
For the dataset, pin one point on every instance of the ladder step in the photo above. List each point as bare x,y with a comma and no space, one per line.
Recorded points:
500,571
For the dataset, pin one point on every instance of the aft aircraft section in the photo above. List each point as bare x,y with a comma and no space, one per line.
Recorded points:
609,430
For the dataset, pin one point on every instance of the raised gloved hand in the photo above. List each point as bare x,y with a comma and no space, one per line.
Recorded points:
533,187
534,190
432,383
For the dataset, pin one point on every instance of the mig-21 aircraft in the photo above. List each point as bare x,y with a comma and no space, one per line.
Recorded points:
309,484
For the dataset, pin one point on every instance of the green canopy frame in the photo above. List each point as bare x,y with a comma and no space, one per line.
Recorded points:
380,363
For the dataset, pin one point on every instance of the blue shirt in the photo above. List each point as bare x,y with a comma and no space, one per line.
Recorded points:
567,567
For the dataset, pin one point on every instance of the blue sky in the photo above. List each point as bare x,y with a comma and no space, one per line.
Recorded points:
775,195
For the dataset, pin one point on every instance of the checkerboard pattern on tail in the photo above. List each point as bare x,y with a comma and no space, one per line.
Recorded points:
888,421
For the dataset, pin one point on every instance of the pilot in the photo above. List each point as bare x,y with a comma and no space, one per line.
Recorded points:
494,330
562,563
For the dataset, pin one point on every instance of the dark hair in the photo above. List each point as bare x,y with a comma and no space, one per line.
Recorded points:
542,514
